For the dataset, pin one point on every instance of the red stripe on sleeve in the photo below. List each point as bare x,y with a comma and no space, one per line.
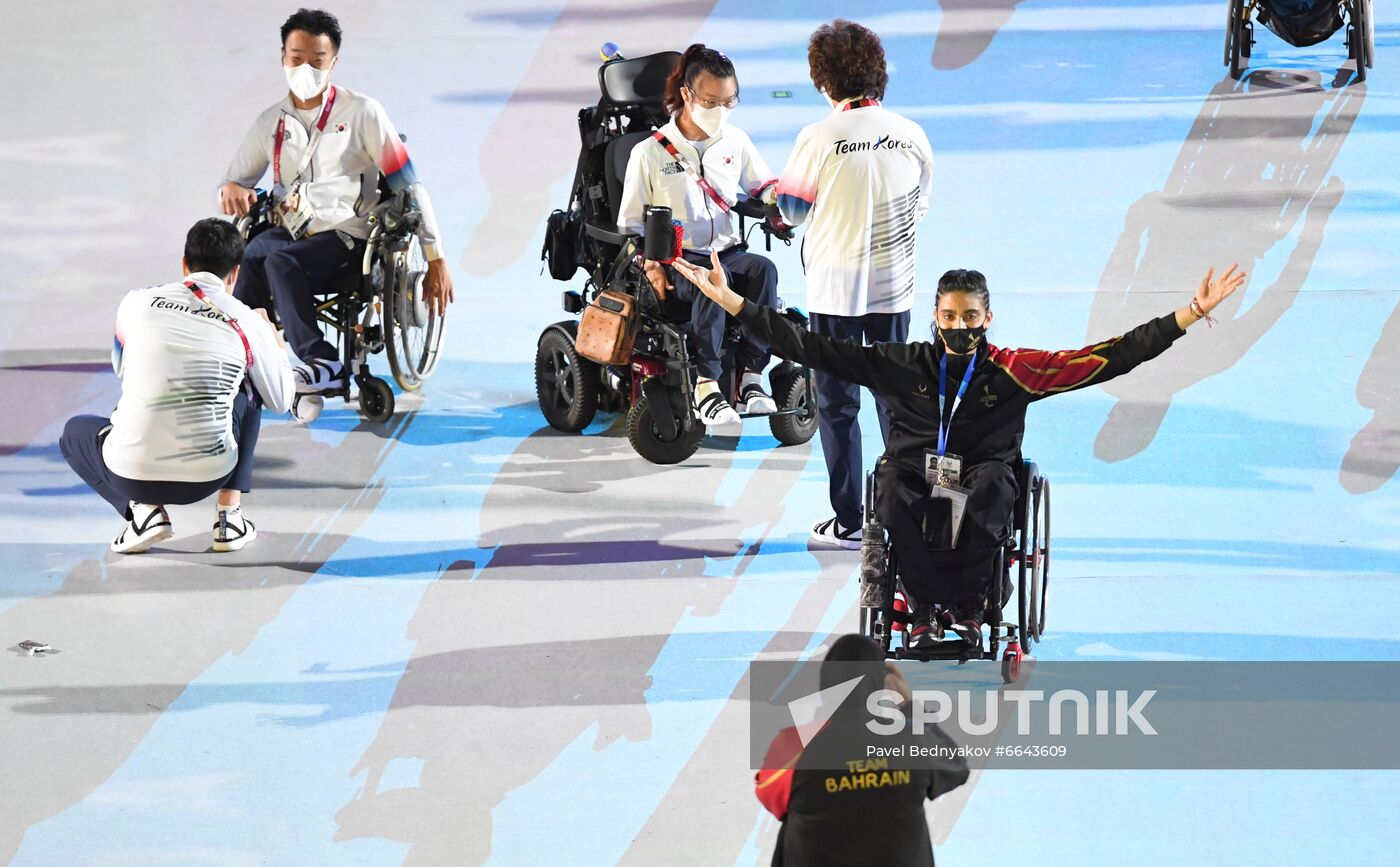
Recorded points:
773,784
1041,372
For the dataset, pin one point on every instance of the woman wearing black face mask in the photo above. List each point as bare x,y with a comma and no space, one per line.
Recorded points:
958,395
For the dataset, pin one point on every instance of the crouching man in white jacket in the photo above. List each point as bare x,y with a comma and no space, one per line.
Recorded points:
197,365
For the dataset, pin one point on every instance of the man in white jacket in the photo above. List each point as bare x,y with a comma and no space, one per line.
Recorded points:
197,366
327,147
860,179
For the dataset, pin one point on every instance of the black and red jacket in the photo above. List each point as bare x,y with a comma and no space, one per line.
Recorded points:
841,808
991,419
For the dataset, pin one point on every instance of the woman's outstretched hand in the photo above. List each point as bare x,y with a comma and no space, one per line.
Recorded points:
712,282
1209,294
1213,291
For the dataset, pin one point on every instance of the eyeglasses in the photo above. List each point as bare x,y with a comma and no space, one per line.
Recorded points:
729,103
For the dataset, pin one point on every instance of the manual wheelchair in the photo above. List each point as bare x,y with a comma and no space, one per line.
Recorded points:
884,612
1301,23
656,387
375,303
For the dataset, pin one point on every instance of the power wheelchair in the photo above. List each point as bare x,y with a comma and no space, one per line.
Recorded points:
656,387
883,607
1301,23
375,303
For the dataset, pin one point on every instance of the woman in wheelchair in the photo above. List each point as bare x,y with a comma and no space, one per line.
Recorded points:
958,403
698,165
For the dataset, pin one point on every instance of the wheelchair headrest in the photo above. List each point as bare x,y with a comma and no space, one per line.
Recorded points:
638,81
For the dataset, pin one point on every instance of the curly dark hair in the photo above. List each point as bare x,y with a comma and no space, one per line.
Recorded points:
847,61
317,22
696,59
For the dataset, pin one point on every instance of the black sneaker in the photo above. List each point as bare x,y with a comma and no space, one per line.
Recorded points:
926,631
968,627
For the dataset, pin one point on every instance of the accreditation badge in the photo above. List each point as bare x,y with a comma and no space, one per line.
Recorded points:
942,471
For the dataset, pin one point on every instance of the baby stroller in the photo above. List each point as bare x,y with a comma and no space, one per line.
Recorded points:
1301,23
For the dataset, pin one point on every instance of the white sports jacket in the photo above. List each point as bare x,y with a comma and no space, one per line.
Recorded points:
860,178
358,142
181,366
731,165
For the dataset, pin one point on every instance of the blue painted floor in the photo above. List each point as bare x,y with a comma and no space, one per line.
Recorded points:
464,638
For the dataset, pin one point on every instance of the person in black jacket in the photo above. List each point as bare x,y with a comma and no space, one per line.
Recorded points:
838,805
961,395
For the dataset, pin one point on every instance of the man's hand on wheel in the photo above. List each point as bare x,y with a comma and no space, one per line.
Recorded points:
235,200
438,285
712,282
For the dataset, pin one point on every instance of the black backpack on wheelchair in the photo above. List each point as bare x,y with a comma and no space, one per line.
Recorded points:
656,386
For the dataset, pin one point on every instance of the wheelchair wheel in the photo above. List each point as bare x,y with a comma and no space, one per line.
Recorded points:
376,400
1025,616
566,383
651,444
791,392
412,329
1040,555
1361,36
1236,35
1011,663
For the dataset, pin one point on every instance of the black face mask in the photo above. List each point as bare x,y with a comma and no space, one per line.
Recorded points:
960,340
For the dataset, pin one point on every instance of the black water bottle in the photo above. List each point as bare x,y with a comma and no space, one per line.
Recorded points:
659,238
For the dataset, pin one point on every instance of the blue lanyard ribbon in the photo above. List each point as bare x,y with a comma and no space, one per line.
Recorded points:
943,393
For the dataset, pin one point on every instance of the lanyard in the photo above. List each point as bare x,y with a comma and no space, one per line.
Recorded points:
310,146
204,299
942,393
861,103
690,170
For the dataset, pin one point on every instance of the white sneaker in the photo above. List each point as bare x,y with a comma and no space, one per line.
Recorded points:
753,398
829,532
318,374
232,531
148,525
711,406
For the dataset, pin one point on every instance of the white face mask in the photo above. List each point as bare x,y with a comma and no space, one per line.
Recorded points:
306,80
711,120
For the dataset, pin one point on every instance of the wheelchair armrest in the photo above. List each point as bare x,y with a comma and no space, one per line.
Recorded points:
617,239
751,208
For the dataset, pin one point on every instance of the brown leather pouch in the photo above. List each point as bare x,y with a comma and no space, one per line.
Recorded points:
608,329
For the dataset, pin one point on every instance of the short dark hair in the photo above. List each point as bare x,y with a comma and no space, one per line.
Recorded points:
696,59
317,22
847,61
964,280
213,245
